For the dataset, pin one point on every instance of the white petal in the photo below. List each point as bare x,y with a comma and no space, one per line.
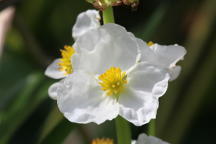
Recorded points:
139,102
137,107
144,139
149,79
165,56
86,21
53,90
147,55
174,72
110,45
140,45
53,70
82,101
88,41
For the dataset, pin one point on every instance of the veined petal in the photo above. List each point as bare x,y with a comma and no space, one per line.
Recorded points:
165,56
140,45
139,102
53,70
137,107
147,55
149,79
82,101
113,46
169,55
86,21
89,41
144,139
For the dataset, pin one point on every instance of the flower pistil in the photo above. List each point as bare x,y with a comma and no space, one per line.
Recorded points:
102,141
113,81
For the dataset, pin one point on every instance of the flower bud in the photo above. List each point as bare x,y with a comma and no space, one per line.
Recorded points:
102,4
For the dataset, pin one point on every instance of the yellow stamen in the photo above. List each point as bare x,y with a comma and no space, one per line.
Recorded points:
65,64
150,43
113,81
102,141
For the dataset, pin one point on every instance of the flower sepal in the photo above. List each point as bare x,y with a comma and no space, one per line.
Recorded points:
103,4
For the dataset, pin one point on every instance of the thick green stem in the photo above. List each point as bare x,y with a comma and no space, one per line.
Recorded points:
152,128
122,126
108,15
123,131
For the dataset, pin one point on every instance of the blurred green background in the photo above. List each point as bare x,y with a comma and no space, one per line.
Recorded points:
39,28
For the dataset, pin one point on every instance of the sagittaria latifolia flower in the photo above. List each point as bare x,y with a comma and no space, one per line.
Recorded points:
62,67
144,139
102,141
113,73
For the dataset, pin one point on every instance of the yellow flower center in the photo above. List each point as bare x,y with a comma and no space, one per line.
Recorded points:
113,81
150,43
102,141
65,64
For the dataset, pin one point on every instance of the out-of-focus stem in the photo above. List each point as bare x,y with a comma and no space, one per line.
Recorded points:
123,131
152,128
122,126
31,42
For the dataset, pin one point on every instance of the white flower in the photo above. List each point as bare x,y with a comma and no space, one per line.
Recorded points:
62,67
144,139
102,141
86,21
110,75
164,56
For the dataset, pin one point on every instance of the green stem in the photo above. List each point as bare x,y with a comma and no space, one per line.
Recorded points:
152,128
108,15
123,131
122,126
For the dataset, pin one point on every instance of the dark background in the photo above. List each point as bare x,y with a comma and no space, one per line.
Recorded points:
40,28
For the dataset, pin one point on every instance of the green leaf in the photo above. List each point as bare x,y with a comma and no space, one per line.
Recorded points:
30,96
53,119
59,133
